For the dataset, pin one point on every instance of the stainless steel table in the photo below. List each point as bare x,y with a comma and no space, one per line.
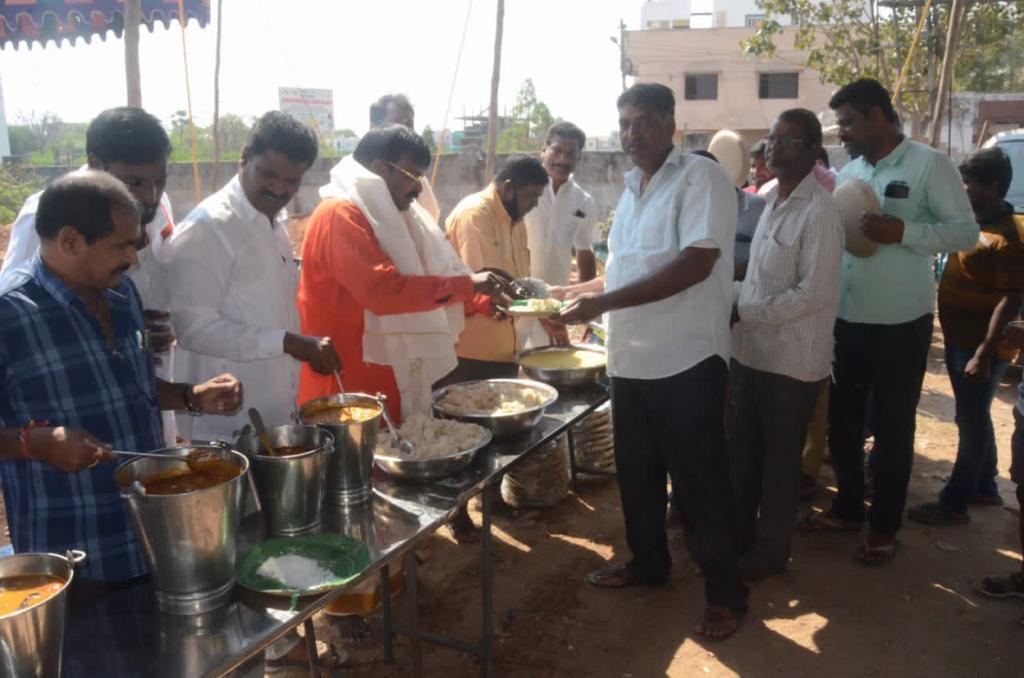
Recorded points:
123,633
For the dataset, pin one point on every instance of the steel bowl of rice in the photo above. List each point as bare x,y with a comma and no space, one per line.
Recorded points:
440,448
503,406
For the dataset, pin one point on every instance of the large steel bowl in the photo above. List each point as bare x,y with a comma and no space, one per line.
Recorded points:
430,469
565,377
501,424
32,639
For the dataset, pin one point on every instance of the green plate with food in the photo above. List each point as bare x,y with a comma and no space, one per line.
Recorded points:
302,566
535,308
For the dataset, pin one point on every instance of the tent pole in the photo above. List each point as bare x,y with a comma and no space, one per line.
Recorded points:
492,117
216,103
133,80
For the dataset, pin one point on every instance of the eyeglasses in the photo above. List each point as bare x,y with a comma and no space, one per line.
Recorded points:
408,175
783,142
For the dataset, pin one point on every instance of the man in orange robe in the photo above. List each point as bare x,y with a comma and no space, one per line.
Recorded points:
379,278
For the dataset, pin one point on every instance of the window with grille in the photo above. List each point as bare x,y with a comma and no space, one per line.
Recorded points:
753,20
778,85
701,86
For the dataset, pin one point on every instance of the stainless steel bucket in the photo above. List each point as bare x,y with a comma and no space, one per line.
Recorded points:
350,465
291,489
188,539
32,640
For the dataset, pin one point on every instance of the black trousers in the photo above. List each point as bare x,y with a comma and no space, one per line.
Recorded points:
887,361
768,418
675,426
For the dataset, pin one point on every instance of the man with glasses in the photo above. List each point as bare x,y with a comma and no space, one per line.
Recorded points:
396,109
381,281
781,342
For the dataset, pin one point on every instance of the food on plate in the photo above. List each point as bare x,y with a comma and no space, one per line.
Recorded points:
536,307
296,572
342,414
196,476
20,592
564,359
490,398
433,438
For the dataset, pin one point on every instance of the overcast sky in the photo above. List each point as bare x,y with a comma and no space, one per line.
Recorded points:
358,48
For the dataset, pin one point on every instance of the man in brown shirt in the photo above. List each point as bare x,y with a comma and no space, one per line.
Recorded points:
980,292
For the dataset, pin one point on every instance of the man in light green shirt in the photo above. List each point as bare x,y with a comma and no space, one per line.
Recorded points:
884,327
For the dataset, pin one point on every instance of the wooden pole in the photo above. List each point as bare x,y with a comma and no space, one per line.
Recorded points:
492,115
133,78
216,102
956,15
910,54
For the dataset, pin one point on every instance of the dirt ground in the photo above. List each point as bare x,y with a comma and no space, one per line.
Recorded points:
828,616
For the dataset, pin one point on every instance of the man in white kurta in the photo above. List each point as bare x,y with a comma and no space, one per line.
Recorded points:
564,221
233,280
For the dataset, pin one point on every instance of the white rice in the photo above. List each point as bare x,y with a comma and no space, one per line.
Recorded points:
433,438
296,572
488,397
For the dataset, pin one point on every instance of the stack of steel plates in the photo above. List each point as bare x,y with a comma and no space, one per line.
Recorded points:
541,479
592,437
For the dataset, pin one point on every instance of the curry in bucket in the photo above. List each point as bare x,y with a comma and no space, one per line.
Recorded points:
345,414
197,475
24,591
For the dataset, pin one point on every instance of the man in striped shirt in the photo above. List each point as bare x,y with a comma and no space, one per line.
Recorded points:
782,342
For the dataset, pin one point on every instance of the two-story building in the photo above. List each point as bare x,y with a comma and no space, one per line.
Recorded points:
693,46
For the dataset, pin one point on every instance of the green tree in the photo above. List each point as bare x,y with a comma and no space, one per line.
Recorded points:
428,139
525,128
16,185
233,132
843,41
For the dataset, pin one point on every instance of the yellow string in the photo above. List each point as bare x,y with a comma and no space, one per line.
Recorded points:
188,94
910,54
451,93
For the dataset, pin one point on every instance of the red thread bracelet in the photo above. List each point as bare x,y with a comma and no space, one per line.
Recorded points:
24,434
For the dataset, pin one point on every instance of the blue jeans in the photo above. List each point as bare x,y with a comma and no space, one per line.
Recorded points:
975,469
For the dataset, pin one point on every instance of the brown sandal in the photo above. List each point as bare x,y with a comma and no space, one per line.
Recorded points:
719,623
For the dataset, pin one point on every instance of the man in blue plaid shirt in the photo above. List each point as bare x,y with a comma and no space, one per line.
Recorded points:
76,379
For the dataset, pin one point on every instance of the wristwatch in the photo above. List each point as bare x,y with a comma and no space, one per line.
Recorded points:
190,406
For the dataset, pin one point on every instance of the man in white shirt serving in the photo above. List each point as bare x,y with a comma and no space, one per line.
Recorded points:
667,295
782,342
233,280
565,219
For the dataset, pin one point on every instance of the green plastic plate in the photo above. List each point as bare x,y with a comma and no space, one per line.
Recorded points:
344,557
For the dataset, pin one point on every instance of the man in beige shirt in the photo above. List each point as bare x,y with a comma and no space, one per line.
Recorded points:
488,232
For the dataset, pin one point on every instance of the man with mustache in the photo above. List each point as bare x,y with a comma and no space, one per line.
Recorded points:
377,275
233,280
564,220
886,305
76,381
396,109
667,296
132,145
781,342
